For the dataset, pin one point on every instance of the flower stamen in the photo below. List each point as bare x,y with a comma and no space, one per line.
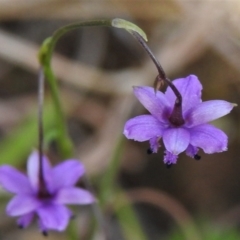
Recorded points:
197,157
149,151
169,165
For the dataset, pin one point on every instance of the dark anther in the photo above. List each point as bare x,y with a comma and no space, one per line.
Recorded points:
73,217
169,165
197,157
149,151
20,226
45,233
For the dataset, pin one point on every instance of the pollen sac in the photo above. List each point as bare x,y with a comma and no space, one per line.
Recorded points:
20,226
197,157
45,233
169,165
149,151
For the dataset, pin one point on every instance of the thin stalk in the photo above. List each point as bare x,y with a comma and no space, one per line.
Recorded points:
42,185
45,54
101,220
40,119
162,74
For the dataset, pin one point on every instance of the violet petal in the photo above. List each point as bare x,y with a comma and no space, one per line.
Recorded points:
191,151
25,220
74,195
54,216
154,144
169,158
190,89
209,138
208,111
42,227
14,181
156,104
33,170
67,173
22,204
176,140
142,128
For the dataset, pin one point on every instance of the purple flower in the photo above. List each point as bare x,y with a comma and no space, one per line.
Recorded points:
47,203
182,128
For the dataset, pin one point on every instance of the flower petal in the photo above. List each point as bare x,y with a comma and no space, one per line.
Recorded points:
156,104
25,220
42,228
74,196
208,111
209,138
176,140
170,158
67,173
190,89
154,144
53,216
191,151
143,128
22,204
14,181
33,170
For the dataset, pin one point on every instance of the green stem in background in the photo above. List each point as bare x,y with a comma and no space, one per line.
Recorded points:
127,217
107,183
45,54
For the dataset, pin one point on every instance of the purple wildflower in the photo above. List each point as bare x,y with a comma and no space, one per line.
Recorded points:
182,127
48,202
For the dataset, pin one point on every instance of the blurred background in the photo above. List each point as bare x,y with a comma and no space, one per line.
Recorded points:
96,69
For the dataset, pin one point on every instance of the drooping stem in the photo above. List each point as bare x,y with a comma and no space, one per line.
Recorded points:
45,55
42,185
162,74
176,117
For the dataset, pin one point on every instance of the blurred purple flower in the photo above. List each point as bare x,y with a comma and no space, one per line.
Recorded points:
49,204
187,133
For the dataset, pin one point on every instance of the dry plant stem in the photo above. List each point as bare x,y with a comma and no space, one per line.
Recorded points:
171,206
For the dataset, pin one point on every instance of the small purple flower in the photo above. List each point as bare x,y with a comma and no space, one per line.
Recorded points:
182,127
46,202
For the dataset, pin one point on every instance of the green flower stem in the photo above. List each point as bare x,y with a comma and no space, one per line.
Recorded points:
124,211
127,217
107,183
45,54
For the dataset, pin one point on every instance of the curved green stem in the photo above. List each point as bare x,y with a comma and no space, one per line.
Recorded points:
45,54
